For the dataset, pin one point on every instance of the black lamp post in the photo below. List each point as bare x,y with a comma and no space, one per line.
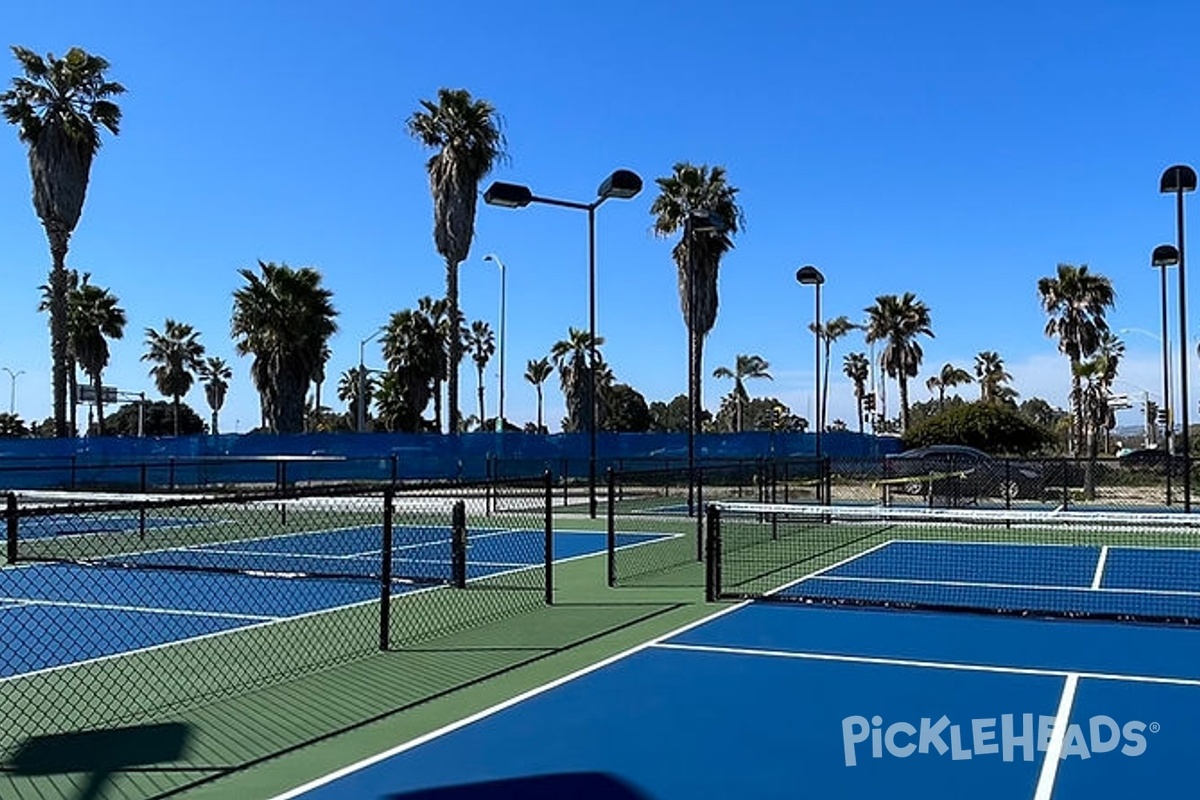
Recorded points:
1178,180
622,184
811,276
1163,257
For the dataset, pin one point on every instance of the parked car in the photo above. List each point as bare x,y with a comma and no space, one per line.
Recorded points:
961,471
1153,461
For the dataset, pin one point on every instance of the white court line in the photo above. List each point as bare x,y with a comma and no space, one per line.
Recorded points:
1058,736
495,709
438,542
175,612
886,661
1100,567
1038,587
819,573
1049,545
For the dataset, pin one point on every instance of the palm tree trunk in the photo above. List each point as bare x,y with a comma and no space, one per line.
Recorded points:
72,393
903,381
98,383
215,430
1076,397
539,394
437,404
482,412
59,240
455,345
696,383
825,388
858,401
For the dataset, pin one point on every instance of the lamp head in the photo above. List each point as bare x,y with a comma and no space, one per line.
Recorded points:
508,195
622,185
1165,255
1179,178
809,275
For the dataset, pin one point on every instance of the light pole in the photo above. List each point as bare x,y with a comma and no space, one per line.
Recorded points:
1178,180
1165,255
12,394
361,422
809,275
500,418
622,184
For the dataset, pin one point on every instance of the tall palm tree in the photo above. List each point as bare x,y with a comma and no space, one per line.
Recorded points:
437,317
59,107
481,343
687,190
570,357
465,132
1076,301
284,318
857,368
745,368
829,333
348,390
95,318
989,369
215,374
949,377
176,353
898,321
536,372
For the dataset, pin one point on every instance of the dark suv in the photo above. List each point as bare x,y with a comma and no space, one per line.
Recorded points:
961,471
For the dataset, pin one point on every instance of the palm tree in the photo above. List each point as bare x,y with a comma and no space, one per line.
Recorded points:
215,374
898,321
687,190
989,369
536,372
857,368
45,306
95,318
1076,301
436,315
59,106
481,343
284,318
570,358
466,134
829,333
745,367
177,354
318,378
348,390
411,348
950,377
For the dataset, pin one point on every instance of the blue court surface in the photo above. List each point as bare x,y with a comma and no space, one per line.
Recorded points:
49,602
792,700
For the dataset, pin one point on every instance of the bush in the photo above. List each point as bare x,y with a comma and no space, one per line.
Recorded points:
991,427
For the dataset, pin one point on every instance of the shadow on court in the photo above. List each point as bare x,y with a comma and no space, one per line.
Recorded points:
100,754
539,787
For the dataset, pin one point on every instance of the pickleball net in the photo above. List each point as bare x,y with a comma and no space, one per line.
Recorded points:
1124,566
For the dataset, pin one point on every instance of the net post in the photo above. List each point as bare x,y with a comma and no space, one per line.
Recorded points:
611,523
10,524
548,488
385,572
458,544
712,575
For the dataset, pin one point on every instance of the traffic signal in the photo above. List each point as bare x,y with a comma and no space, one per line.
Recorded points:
1161,416
869,401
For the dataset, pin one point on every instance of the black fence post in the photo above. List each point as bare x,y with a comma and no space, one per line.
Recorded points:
395,467
699,514
611,522
142,476
458,543
10,524
385,572
712,575
548,483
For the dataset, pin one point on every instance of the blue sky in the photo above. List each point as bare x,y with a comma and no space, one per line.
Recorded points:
955,150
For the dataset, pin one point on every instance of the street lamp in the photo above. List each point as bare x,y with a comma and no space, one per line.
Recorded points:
500,418
695,222
361,422
1166,255
622,184
12,394
809,275
1178,180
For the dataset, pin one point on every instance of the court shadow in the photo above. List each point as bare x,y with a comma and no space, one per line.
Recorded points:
582,785
101,753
